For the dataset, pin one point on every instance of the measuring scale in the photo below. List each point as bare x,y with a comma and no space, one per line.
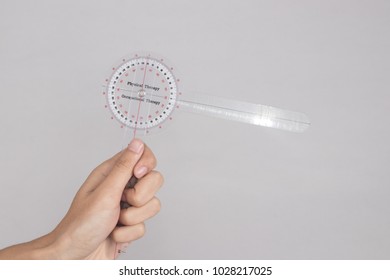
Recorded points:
143,92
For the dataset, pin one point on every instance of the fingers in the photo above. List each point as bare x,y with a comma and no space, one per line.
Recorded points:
133,220
145,164
144,190
135,215
144,206
99,174
127,234
122,169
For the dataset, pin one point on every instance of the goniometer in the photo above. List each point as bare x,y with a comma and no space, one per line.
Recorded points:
143,92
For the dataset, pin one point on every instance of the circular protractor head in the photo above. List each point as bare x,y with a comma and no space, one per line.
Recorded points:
142,93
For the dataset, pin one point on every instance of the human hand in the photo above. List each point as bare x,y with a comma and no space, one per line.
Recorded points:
95,226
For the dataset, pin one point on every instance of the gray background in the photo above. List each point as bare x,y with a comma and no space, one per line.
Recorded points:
232,190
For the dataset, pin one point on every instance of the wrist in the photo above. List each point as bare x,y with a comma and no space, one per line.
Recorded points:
55,248
48,247
48,252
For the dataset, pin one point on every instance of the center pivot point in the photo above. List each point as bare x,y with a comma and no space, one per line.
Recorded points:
141,93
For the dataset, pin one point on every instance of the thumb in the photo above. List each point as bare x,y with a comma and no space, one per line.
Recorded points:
122,170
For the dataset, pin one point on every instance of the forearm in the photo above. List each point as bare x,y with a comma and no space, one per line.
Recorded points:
41,248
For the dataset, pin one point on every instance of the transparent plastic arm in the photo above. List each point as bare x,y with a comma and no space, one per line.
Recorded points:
246,112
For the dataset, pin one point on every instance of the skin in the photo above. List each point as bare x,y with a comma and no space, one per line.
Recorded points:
96,227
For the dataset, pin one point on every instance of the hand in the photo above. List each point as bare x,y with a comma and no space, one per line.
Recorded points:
95,226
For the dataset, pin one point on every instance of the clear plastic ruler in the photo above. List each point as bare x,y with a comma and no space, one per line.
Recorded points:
143,92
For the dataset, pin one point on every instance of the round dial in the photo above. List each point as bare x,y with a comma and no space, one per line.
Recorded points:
142,92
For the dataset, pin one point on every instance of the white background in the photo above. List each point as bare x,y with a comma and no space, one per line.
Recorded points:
281,269
231,190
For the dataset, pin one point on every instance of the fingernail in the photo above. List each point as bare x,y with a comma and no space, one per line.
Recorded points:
140,171
136,146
